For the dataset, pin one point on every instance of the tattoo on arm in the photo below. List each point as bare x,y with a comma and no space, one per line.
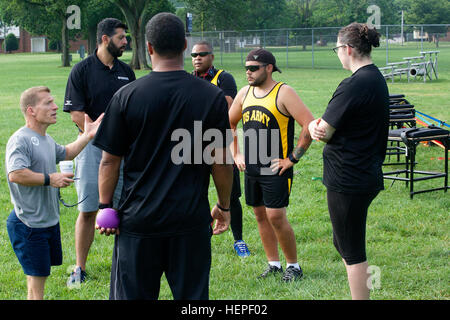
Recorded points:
299,152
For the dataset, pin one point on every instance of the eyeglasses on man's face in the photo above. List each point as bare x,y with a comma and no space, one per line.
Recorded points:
254,68
201,54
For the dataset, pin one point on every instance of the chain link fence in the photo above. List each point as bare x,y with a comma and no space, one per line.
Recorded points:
310,47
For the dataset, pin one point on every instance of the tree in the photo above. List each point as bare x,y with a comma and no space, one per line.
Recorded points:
266,14
428,12
213,15
238,15
4,29
11,43
338,13
92,13
302,11
137,13
42,17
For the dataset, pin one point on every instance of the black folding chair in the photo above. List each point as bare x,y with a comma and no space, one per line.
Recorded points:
411,137
401,115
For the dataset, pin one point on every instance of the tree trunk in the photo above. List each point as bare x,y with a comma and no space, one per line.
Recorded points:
135,23
92,39
65,43
436,40
138,59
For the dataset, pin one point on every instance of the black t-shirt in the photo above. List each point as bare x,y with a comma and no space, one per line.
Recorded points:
92,84
225,81
144,123
359,111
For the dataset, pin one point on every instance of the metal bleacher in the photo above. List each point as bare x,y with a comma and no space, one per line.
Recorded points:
423,66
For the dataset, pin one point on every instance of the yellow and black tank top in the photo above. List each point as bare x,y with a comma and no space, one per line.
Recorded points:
268,133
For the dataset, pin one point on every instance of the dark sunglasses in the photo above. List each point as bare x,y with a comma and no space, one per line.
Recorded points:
254,68
201,54
70,205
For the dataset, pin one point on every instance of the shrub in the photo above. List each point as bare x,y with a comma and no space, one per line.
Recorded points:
11,43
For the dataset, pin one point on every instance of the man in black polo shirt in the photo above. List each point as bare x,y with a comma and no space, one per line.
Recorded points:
91,85
202,60
165,219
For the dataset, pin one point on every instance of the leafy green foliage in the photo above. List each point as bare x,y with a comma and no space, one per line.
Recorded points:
11,43
265,14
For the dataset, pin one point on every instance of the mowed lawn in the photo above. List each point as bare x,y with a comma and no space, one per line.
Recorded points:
407,240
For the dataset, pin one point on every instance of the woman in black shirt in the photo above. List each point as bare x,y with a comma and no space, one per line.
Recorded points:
355,129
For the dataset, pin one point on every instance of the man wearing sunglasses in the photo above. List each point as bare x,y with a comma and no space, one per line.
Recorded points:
269,110
202,61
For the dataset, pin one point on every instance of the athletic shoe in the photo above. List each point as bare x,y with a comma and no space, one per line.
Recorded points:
241,248
270,271
77,277
292,274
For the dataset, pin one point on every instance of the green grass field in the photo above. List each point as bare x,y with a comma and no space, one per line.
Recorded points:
408,240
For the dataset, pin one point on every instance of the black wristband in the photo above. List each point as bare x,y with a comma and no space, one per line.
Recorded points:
46,179
222,208
104,205
292,158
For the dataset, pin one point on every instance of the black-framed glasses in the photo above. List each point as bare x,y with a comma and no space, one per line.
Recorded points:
201,54
254,67
335,49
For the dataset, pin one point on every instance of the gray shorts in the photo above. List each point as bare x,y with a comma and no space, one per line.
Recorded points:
86,169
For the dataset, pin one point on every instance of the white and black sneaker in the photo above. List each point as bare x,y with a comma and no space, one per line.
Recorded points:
292,274
270,271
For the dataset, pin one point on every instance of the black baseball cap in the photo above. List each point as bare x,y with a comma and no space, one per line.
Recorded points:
264,56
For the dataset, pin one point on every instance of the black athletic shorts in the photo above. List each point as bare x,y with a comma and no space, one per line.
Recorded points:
138,264
269,191
348,214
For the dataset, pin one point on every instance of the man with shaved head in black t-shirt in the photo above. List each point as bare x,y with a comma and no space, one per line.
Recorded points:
165,215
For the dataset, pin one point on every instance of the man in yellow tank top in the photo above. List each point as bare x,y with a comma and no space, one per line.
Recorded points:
269,110
202,61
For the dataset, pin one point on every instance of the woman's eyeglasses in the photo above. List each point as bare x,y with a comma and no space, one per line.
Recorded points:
254,68
335,49
201,54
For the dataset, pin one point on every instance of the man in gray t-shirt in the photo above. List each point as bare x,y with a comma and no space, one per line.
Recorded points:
31,158
37,207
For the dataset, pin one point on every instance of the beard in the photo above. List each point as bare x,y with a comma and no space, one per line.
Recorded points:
114,50
259,81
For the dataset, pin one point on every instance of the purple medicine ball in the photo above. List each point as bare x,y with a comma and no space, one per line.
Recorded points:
108,218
